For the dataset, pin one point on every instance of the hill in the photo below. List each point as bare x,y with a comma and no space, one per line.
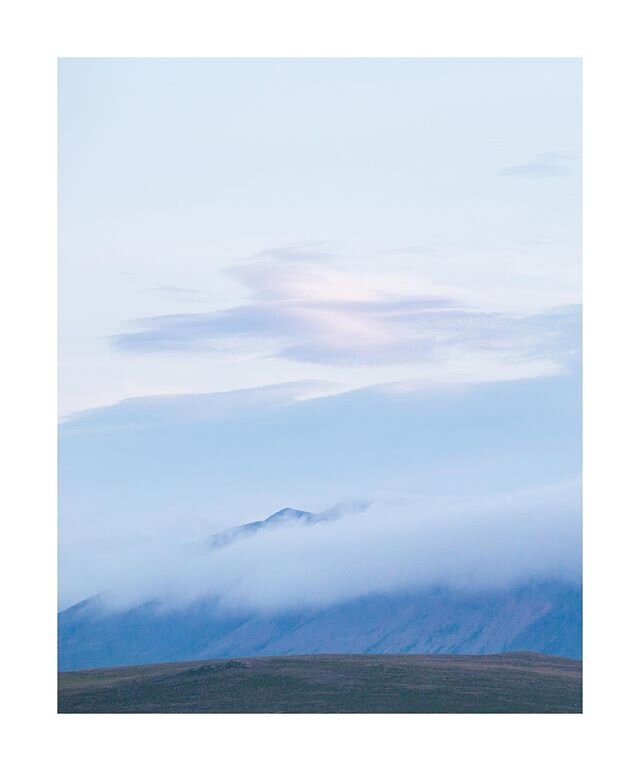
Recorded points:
516,682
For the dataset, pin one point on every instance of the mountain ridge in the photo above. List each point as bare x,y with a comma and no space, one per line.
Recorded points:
544,618
287,515
541,616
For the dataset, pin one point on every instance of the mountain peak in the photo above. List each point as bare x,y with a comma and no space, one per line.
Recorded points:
285,516
288,513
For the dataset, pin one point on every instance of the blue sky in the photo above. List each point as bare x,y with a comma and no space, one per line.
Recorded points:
285,195
297,282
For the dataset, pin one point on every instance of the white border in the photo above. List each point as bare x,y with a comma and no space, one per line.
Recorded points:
33,35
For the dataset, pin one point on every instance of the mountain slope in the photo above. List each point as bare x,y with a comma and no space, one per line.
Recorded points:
545,618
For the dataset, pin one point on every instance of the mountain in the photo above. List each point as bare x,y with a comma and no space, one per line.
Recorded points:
545,617
284,517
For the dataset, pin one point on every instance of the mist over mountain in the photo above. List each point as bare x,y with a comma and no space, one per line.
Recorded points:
296,558
386,576
406,518
284,517
131,498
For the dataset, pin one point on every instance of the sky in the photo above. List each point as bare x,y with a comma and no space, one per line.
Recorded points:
229,224
300,282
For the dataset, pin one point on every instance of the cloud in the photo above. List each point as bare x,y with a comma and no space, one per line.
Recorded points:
185,294
304,251
311,312
183,409
393,545
541,166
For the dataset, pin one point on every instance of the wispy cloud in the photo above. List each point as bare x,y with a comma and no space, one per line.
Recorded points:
181,293
306,310
541,166
303,251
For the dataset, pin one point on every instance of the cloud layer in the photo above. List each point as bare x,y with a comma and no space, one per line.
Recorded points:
394,545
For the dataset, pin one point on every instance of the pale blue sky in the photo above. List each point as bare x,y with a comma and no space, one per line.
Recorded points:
417,178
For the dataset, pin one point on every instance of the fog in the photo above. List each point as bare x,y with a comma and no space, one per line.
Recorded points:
396,544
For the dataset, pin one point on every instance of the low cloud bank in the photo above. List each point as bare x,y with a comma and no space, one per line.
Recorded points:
396,544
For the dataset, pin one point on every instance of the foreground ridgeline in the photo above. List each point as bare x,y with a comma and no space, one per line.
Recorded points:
514,682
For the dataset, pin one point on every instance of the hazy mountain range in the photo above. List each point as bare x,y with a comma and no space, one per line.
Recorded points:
543,616
462,535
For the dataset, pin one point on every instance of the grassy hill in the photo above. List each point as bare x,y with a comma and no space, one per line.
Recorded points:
512,682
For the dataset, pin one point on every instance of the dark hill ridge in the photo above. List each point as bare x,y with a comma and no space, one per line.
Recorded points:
507,683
